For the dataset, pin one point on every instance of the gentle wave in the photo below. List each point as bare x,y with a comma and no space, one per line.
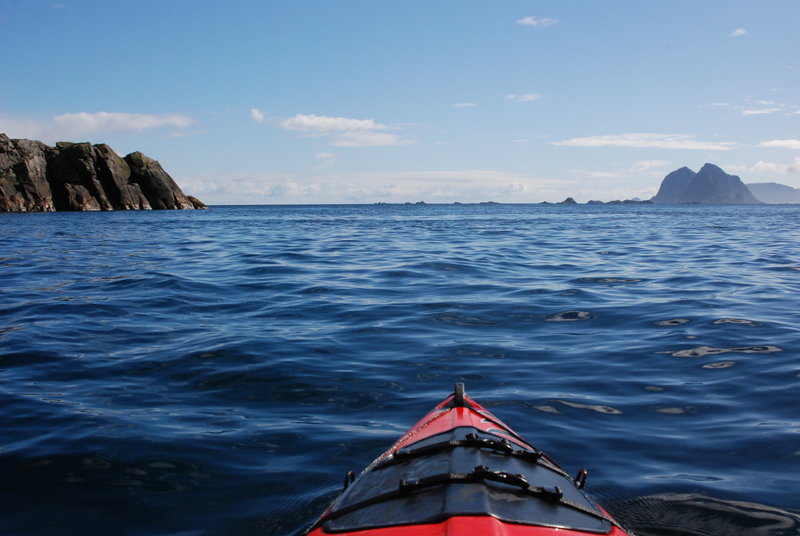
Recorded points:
220,371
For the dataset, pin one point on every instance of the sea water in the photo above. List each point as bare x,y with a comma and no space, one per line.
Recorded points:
218,372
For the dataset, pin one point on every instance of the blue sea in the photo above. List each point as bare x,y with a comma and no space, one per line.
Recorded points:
218,372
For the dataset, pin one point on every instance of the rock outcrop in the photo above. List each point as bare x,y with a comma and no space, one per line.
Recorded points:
81,176
710,185
774,193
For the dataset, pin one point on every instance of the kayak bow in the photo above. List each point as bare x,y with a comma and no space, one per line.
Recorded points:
461,471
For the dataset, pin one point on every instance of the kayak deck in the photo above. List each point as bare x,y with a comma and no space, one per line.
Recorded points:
460,470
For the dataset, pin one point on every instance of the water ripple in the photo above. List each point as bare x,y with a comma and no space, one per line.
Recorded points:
218,372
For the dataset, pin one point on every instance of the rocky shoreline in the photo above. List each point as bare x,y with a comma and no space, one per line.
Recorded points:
35,177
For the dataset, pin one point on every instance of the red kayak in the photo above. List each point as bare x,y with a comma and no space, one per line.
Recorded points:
461,471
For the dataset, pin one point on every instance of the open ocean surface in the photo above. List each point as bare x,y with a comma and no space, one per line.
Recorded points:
218,372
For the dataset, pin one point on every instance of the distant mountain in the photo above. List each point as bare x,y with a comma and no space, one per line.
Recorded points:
674,185
774,193
710,185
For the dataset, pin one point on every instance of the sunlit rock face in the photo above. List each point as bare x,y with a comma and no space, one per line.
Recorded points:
35,177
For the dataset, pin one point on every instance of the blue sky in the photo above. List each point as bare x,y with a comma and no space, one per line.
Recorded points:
360,101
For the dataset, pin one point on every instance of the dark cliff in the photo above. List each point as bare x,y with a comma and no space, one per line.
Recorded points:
81,176
709,185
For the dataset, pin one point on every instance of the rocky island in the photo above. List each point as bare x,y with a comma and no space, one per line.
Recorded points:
35,177
710,185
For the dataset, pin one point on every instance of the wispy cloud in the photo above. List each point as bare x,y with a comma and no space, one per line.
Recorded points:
767,168
753,107
527,97
87,123
321,124
738,32
536,21
761,111
326,160
369,138
595,174
77,125
23,128
647,141
771,167
326,187
344,131
782,144
464,105
646,165
257,115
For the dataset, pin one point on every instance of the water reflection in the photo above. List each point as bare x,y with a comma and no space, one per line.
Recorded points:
689,514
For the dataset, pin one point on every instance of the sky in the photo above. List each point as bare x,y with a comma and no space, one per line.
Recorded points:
364,101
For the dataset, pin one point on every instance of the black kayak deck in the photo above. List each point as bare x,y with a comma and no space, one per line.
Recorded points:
464,472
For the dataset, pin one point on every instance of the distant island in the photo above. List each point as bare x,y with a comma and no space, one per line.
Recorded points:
774,193
35,177
710,185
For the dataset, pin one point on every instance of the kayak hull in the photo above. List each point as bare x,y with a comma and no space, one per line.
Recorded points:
468,525
458,471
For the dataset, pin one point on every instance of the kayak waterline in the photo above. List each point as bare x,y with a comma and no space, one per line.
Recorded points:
460,470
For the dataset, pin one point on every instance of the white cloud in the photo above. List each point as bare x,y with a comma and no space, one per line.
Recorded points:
738,32
88,123
782,144
646,165
344,131
464,105
22,128
770,167
761,107
257,115
368,138
77,125
767,168
761,111
321,124
527,97
596,174
608,194
250,189
326,160
647,141
536,22
443,186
